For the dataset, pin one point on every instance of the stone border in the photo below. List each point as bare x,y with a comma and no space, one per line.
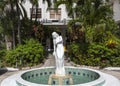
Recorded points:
99,81
106,78
112,68
9,69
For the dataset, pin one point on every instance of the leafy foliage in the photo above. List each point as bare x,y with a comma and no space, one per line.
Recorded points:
98,10
2,59
29,54
96,55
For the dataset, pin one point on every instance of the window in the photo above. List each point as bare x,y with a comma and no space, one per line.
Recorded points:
55,14
34,12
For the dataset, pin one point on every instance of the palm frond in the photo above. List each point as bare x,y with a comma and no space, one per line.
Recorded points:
24,13
48,2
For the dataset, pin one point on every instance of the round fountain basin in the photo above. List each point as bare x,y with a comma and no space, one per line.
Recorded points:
80,76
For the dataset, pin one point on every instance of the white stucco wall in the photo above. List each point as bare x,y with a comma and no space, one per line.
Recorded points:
27,6
45,12
116,10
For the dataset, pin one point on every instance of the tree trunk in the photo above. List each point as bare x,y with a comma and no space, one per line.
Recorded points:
36,16
19,33
73,26
13,30
31,21
8,42
19,24
13,38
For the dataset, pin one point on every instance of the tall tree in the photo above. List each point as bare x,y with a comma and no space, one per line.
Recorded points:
20,11
12,11
35,4
69,4
98,10
6,18
48,2
99,13
70,8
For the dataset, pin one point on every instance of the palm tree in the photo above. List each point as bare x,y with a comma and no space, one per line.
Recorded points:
91,12
70,8
6,19
2,4
99,12
19,9
12,11
49,2
34,4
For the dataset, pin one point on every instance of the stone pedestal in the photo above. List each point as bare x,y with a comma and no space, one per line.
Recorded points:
60,80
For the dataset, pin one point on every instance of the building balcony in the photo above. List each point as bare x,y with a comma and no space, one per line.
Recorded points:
54,22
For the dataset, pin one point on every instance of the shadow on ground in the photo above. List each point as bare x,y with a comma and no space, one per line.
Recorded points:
3,70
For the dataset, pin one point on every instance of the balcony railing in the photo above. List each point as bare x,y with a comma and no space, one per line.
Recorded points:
46,21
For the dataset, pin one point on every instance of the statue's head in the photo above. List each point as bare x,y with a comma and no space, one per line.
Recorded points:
55,35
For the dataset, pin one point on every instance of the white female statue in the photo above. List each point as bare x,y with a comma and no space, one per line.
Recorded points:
55,35
59,54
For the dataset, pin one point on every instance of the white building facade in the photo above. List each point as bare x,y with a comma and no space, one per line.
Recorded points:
116,10
46,15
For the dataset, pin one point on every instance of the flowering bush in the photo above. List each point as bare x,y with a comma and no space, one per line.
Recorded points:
111,43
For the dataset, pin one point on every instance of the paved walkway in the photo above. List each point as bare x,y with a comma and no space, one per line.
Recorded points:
114,73
50,61
5,75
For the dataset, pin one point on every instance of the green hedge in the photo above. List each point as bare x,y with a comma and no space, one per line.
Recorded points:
29,54
95,55
2,59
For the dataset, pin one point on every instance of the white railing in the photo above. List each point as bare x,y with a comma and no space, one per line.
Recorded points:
64,21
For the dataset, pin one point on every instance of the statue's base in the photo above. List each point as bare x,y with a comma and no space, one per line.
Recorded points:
60,80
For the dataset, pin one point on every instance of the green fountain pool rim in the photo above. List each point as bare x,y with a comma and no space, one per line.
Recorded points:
100,80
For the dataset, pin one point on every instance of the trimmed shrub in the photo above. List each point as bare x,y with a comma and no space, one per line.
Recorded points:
95,55
29,54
